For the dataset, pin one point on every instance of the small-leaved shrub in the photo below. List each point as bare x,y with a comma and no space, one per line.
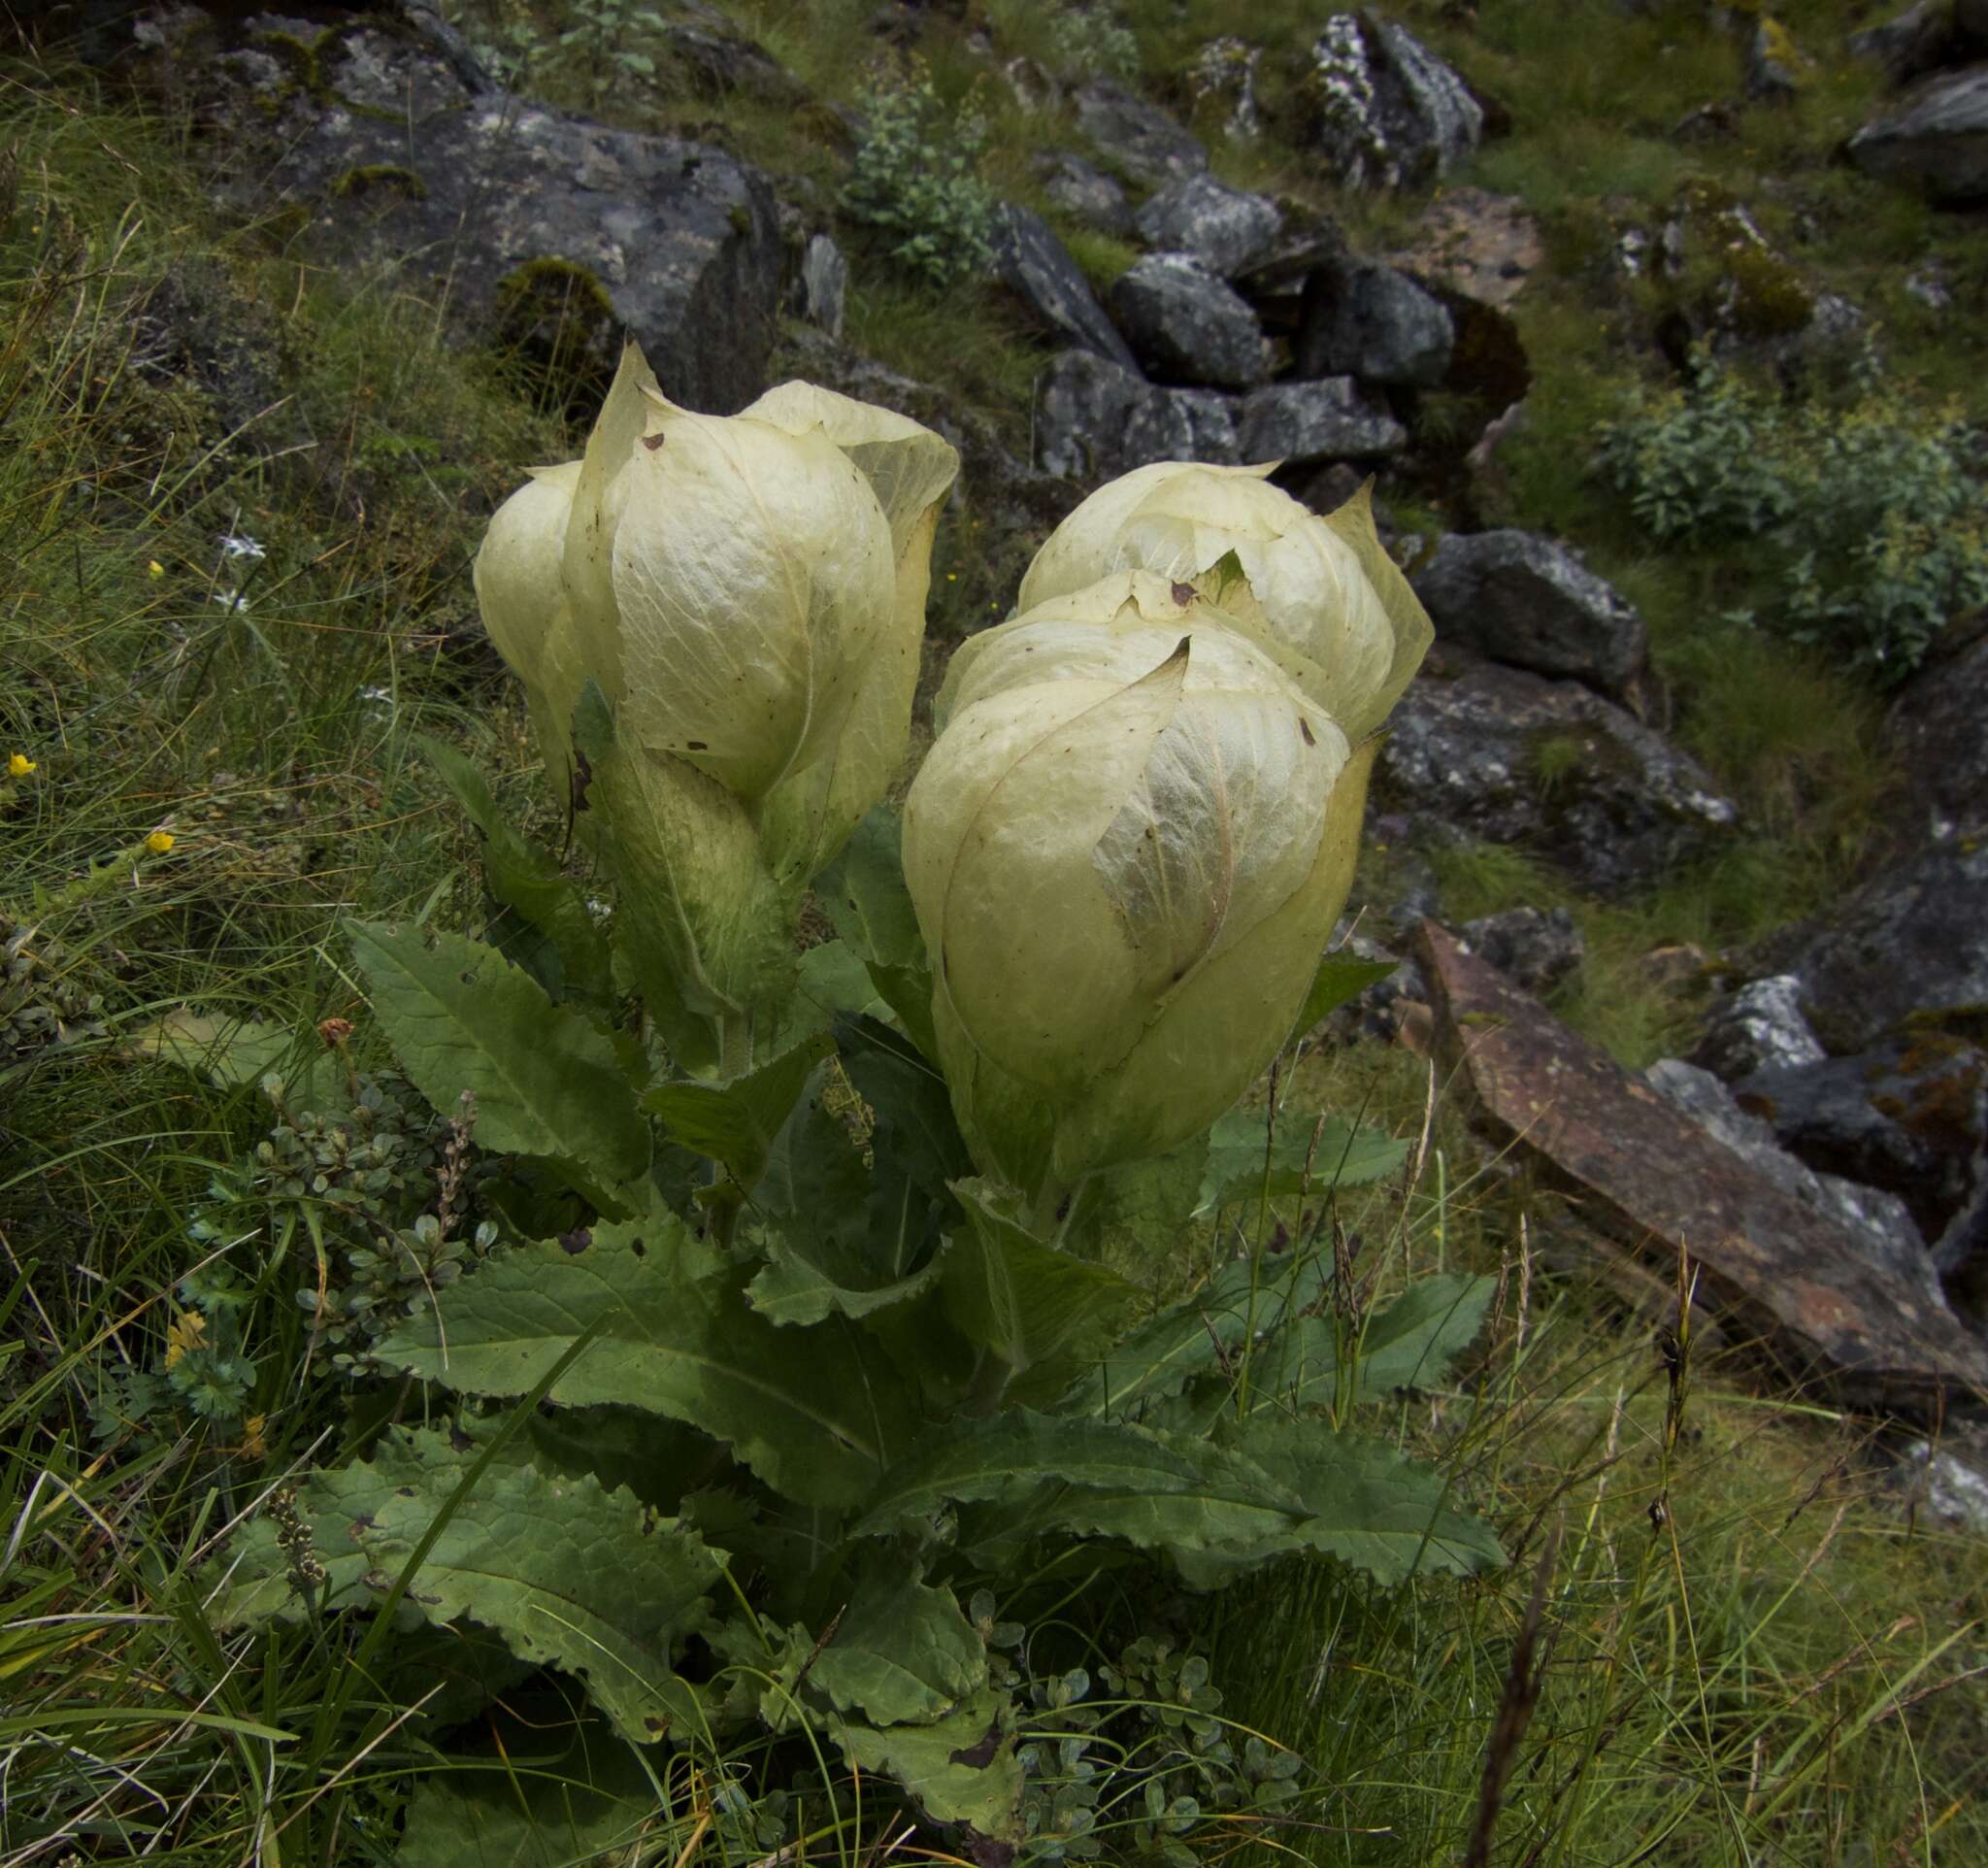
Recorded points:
1872,517
1089,42
916,178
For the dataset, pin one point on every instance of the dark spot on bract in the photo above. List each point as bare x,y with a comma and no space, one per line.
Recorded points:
655,1724
698,745
403,1491
575,1241
1184,594
639,1250
359,1526
652,441
1305,727
459,1441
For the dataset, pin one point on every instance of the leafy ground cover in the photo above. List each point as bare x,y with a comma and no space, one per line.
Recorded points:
1747,1647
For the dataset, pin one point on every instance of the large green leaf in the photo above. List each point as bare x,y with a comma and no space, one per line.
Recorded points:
546,1079
527,880
1412,1344
1202,1335
817,1413
1083,1476
1339,978
796,1288
961,1769
733,1123
591,1805
1307,1153
1041,1311
902,1650
566,1573
870,908
1364,1504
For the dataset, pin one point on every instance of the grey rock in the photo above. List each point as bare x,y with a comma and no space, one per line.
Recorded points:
1331,418
1523,599
1032,84
1037,267
1087,195
1095,420
1386,112
1759,1027
1224,69
1909,43
1381,1010
1771,77
1376,323
1935,138
723,63
1479,753
823,283
1910,939
1227,229
1879,1220
674,241
1950,1487
1909,1116
1185,325
1137,137
1537,948
1934,732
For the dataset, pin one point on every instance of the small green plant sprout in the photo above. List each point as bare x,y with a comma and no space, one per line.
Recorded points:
807,1355
1090,41
916,180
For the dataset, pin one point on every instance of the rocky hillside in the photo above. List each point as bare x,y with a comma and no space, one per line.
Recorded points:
1656,324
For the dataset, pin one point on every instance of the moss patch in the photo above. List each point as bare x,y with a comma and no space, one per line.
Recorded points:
555,320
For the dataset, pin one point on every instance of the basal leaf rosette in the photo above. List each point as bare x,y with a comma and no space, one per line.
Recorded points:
1319,593
1126,849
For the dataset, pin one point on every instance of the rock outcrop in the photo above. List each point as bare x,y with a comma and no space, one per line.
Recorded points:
1385,111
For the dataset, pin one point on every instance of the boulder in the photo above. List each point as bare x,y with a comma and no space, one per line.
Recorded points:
822,283
1790,1275
1775,69
722,62
1530,602
1537,948
1384,110
545,230
1934,139
1227,229
1933,731
1911,940
1879,1220
1087,195
1037,267
1095,420
1758,1027
1909,1116
1137,138
1186,325
1952,1486
1331,418
1376,323
1909,43
1479,753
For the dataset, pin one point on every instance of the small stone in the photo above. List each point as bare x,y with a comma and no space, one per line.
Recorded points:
1227,229
1140,138
1087,195
1185,325
823,283
1375,323
1759,1027
1537,948
1037,267
1333,418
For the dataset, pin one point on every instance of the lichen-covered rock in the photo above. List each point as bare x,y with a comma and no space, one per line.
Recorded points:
1479,753
1775,70
1331,419
1137,137
1384,110
822,283
1186,325
1095,420
1909,43
1227,229
1909,1116
1759,1027
548,231
1881,1221
1037,267
1376,323
1224,71
1934,139
1087,195
1529,601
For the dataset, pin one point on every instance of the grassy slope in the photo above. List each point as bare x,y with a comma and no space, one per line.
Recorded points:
1766,1675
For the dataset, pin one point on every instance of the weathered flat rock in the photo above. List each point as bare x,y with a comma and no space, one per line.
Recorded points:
1935,138
1778,1270
1138,137
1227,229
1186,325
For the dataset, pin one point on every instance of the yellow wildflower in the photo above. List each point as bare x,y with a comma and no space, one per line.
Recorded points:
20,765
189,1331
154,569
159,842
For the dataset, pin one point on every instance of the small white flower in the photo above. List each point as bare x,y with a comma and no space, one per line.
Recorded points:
240,545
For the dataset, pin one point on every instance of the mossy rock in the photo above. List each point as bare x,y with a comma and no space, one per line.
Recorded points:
556,322
374,179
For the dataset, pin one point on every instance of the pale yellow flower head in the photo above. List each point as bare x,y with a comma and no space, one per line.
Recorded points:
159,843
20,765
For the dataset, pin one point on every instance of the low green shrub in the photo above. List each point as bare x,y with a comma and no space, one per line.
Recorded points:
916,178
1872,517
